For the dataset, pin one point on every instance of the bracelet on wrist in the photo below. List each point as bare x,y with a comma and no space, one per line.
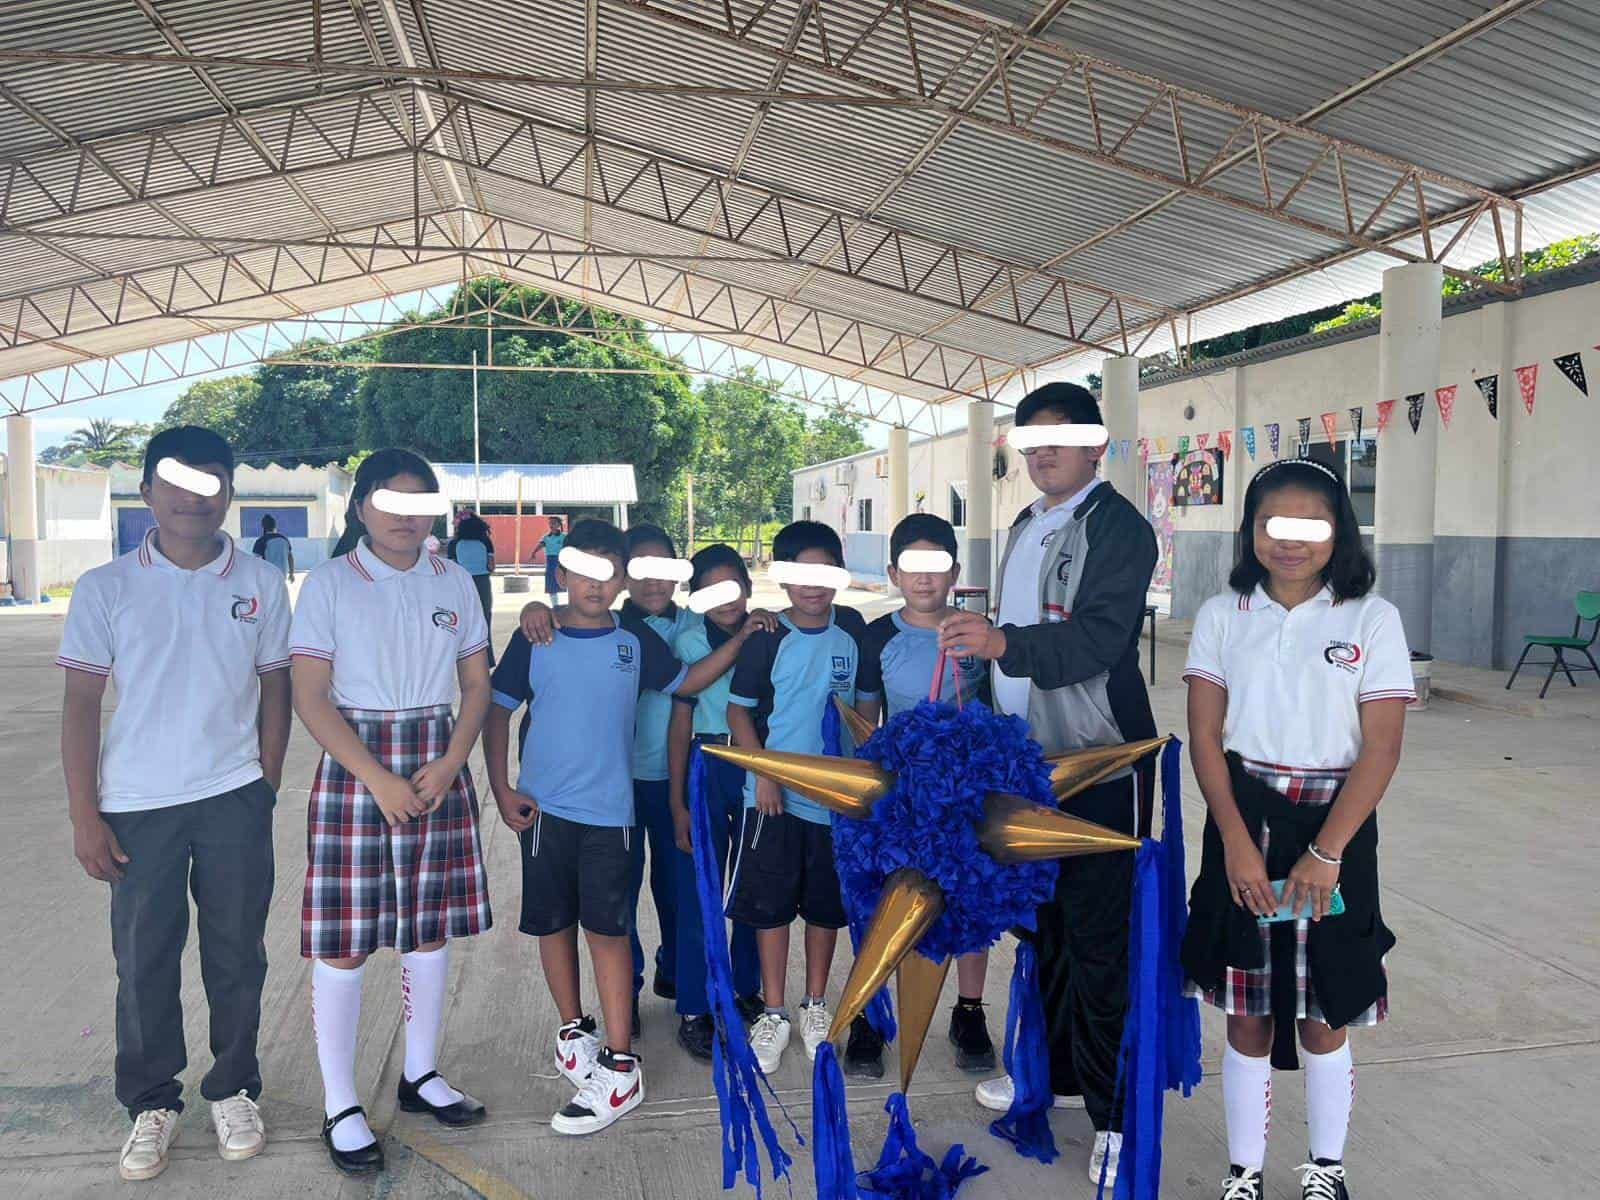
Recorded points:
1322,856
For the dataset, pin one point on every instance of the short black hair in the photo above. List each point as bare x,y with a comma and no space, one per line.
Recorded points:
597,537
1076,404
711,558
649,535
922,527
807,535
1349,572
189,444
268,523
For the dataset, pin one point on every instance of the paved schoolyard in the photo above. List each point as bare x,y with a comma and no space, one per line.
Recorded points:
1483,1084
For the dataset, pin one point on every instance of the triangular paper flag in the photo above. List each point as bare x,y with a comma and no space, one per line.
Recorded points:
1183,444
1571,365
1225,442
1490,387
1303,442
1527,383
1272,438
1385,411
1445,397
1355,423
1200,440
1414,409
1329,424
1249,434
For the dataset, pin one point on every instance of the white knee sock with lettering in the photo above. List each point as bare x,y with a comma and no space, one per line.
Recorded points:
423,975
1247,1105
1330,1095
335,1016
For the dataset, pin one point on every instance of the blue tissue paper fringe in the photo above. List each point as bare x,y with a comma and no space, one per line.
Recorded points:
906,1172
1026,1124
734,1073
835,1166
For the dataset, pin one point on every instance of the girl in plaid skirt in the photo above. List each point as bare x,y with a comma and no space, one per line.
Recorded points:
1299,679
385,636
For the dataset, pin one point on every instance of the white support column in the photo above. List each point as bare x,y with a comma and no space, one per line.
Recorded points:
1408,364
899,482
23,506
622,516
1119,407
976,570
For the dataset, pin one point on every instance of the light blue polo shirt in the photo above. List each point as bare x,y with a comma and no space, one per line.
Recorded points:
473,555
789,678
655,708
582,693
711,705
903,656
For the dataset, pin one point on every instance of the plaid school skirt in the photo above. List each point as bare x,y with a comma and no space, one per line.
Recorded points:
1249,993
370,885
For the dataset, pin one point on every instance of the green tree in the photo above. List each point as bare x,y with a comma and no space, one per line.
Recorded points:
835,433
213,404
104,441
753,441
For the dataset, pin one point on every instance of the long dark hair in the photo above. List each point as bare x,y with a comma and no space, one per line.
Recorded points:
1349,572
376,470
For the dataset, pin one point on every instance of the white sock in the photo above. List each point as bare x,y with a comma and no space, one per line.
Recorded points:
1330,1094
422,983
1247,1105
335,1016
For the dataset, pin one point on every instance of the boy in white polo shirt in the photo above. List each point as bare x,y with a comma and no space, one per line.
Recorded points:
195,635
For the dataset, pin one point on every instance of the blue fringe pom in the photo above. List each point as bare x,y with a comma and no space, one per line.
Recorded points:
1182,1013
905,1172
1026,1124
830,1129
734,1073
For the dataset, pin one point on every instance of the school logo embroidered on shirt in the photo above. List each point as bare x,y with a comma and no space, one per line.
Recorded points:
1064,568
446,620
841,673
244,609
624,653
1344,655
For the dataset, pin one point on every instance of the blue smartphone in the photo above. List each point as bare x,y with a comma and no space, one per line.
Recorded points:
1284,913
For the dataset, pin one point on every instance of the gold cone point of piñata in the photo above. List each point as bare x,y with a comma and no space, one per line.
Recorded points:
1015,829
1076,770
856,727
907,907
843,785
918,982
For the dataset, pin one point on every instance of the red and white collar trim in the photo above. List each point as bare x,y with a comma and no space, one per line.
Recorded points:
219,566
372,568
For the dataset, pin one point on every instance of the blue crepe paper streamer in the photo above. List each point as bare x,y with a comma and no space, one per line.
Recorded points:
734,1072
906,1172
830,1129
1026,1124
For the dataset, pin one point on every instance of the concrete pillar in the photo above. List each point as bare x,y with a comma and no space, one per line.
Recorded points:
1408,363
1119,407
977,570
899,481
22,503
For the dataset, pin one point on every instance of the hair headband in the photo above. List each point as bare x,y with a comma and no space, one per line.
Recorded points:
1297,462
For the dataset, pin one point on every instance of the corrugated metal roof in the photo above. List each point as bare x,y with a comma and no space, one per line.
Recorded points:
584,483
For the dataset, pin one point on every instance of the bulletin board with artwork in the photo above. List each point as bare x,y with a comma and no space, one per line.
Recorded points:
1159,508
1198,479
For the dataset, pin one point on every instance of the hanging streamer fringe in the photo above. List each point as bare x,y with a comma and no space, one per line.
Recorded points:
906,1172
830,1129
1026,1124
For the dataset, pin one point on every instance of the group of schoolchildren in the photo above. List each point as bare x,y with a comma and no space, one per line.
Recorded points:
385,661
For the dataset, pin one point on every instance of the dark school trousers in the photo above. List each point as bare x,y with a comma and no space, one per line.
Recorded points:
725,805
486,601
1083,959
219,850
653,816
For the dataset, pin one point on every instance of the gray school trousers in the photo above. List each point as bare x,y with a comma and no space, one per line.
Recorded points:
220,850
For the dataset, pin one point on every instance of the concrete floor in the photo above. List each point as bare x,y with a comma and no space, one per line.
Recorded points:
1483,1084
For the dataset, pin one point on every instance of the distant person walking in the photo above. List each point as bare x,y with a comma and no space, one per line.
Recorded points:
473,548
274,547
552,543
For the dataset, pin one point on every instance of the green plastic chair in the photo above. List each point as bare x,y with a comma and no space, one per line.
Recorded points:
1588,606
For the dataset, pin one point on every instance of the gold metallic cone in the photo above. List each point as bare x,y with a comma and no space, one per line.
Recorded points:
856,727
1079,769
844,785
1015,829
918,983
910,903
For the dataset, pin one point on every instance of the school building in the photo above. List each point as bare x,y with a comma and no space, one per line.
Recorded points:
1483,513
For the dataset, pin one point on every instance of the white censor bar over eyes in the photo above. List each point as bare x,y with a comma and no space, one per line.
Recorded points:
925,562
705,599
186,477
1298,529
410,504
653,566
817,575
1032,437
590,566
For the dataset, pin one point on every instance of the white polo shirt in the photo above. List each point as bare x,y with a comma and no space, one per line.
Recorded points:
1296,678
1019,590
393,637
183,650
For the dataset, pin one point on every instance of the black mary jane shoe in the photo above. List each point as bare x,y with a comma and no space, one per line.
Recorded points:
465,1111
364,1160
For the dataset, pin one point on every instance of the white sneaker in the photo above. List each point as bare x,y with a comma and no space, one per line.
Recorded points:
1106,1153
998,1093
240,1133
769,1037
815,1021
144,1154
577,1046
615,1088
